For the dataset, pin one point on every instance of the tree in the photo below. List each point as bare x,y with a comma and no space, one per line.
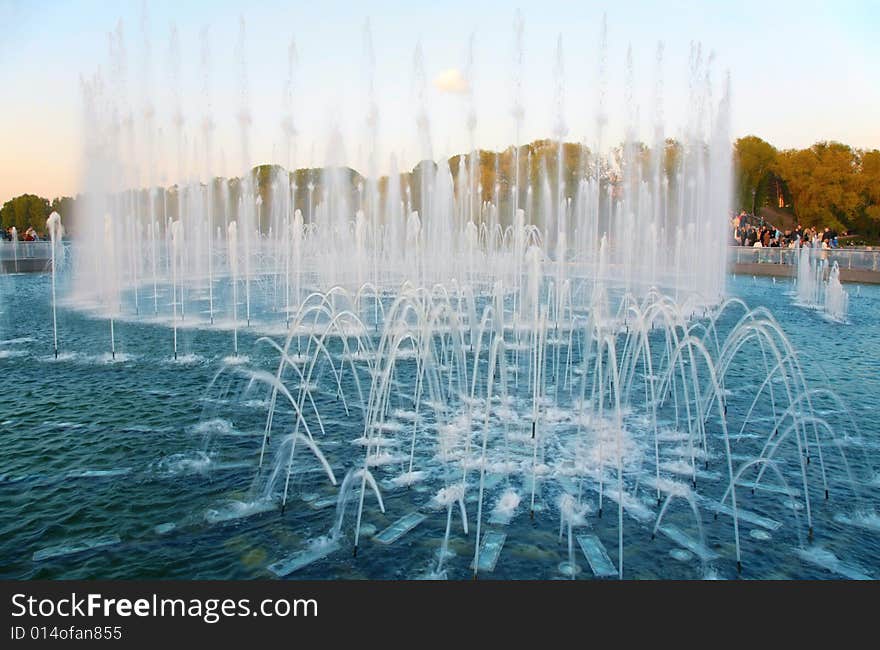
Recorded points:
63,205
870,182
25,211
754,160
824,183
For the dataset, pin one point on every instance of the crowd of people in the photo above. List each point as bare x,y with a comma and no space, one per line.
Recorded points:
29,235
754,232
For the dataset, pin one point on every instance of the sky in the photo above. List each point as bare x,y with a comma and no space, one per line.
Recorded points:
800,72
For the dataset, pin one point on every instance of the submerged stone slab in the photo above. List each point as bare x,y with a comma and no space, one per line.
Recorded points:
597,556
326,502
632,506
769,487
239,510
490,549
98,473
742,515
230,466
303,558
866,520
686,541
825,559
400,528
81,546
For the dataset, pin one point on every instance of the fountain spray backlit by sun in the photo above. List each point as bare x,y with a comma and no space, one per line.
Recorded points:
539,333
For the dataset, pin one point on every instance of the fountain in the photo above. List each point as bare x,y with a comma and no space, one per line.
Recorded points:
836,298
233,274
176,288
813,290
112,287
53,225
485,335
14,233
810,271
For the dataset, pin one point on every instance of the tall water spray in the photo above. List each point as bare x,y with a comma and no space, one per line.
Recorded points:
810,271
112,296
836,298
53,225
176,291
207,136
232,257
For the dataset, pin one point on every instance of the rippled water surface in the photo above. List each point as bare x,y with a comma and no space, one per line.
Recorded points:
141,467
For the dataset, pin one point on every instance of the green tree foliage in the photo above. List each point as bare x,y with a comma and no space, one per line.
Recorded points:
825,183
25,211
63,205
869,222
754,161
829,184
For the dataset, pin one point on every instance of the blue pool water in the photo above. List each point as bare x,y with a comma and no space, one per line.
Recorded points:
142,467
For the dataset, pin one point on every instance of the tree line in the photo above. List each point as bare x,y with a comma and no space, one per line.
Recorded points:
31,211
829,184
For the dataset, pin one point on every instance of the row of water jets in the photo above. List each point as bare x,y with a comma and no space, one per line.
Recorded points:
654,215
639,402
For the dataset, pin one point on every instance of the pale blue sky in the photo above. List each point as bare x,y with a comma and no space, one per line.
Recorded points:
801,71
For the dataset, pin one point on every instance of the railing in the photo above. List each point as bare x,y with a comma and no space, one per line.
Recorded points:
26,256
24,250
862,259
866,259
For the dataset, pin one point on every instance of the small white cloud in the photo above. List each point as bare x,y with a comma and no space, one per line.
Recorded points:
451,81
